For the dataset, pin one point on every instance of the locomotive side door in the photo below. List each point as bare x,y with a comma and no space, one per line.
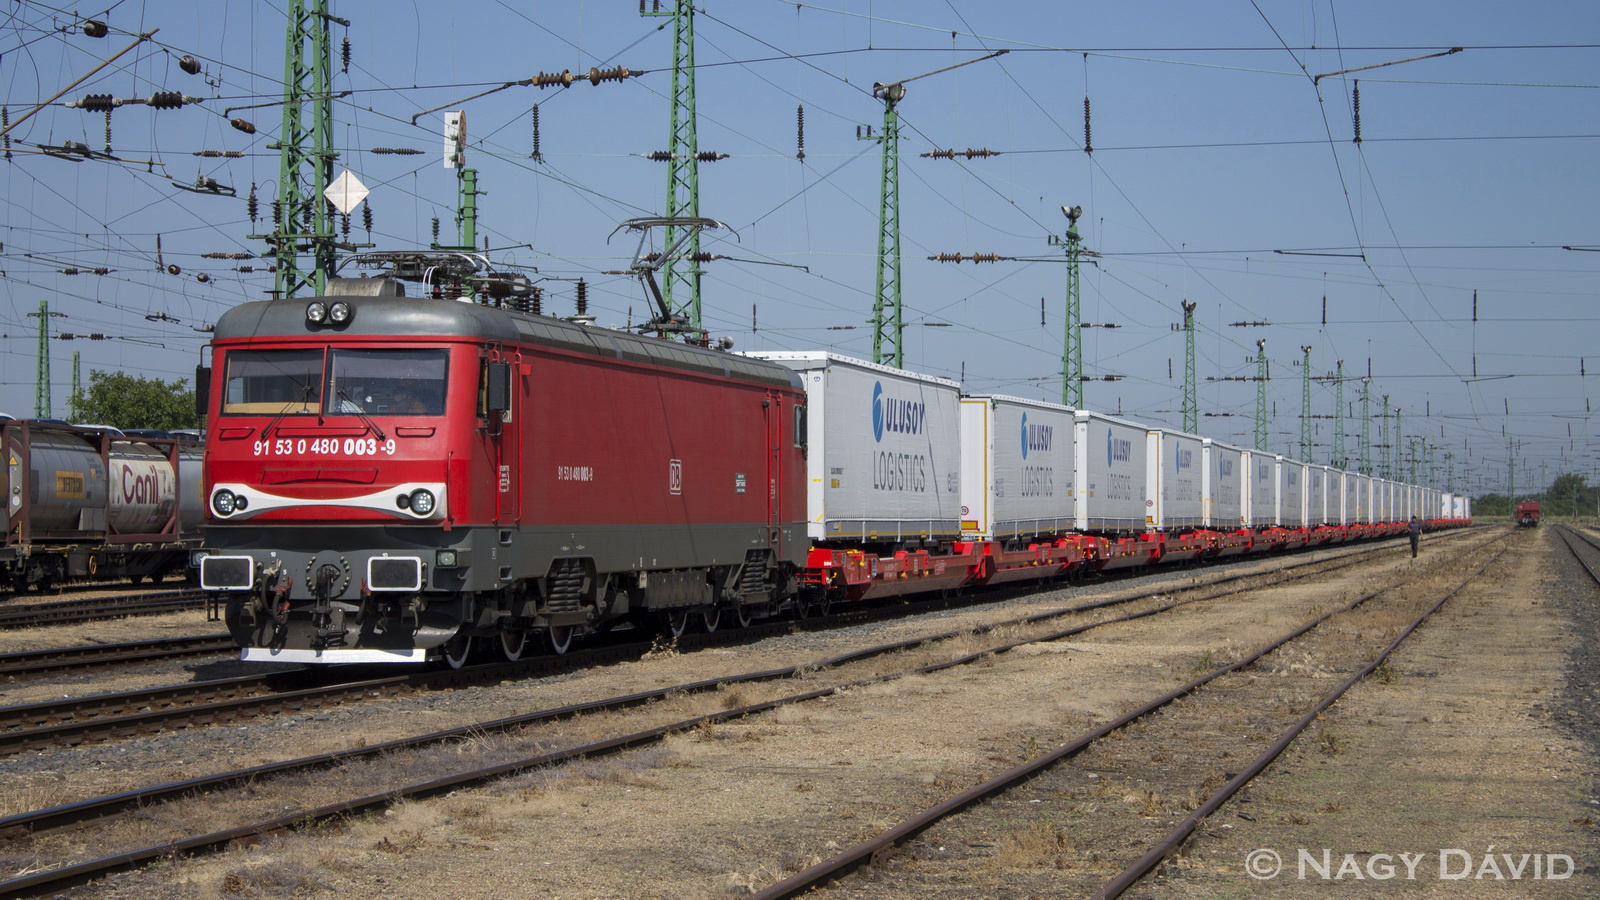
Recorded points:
776,415
503,373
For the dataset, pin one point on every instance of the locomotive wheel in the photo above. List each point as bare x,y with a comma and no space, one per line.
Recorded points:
559,637
711,617
676,622
513,644
741,615
457,650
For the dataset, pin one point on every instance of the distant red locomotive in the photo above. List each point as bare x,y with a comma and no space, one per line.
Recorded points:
389,477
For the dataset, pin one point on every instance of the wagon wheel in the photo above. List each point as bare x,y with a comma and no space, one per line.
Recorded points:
513,643
711,617
559,637
741,615
456,650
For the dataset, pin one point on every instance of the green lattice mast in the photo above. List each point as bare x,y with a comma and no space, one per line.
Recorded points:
1191,403
1072,330
1261,395
681,288
300,217
1366,426
888,315
1338,415
1305,403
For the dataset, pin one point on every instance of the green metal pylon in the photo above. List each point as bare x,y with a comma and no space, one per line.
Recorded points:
1395,464
1191,404
41,396
1366,426
75,400
887,335
1071,331
1261,395
1383,440
1305,402
305,153
681,289
1338,414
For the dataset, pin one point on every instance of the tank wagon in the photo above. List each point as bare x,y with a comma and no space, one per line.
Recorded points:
91,504
390,477
418,462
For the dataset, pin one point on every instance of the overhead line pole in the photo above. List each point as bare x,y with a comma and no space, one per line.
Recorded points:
888,335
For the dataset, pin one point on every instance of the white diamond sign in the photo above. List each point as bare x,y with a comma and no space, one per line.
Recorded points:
346,192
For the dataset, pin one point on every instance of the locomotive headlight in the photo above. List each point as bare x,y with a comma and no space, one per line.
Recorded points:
223,502
421,501
316,312
340,312
445,559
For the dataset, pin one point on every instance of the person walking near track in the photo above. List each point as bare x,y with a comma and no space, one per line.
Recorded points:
1415,530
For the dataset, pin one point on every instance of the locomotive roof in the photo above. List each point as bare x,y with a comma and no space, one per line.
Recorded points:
398,316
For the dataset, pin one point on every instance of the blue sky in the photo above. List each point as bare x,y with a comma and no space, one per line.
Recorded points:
1215,147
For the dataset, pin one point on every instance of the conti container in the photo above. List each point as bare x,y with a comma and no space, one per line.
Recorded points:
1223,486
1110,473
1261,488
884,457
1016,468
1175,479
1358,498
1291,493
1338,480
1316,495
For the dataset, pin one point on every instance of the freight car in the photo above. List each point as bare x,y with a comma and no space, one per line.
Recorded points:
1528,514
391,477
93,504
415,462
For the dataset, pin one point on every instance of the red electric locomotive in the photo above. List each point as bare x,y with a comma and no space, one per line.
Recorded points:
390,477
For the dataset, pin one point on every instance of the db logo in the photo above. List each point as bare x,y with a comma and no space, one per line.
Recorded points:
675,476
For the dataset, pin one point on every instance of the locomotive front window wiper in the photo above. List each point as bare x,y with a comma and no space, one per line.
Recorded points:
348,405
302,403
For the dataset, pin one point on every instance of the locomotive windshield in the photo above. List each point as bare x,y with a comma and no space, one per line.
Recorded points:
273,383
397,382
387,382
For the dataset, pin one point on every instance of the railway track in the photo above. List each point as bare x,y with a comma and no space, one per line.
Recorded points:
1568,534
101,717
34,663
1022,779
66,612
45,819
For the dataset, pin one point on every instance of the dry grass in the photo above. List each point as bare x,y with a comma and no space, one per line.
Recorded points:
1040,844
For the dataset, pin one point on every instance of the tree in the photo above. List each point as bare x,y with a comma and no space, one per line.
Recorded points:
126,401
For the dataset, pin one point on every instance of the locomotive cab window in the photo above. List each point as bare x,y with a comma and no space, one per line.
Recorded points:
398,382
273,383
